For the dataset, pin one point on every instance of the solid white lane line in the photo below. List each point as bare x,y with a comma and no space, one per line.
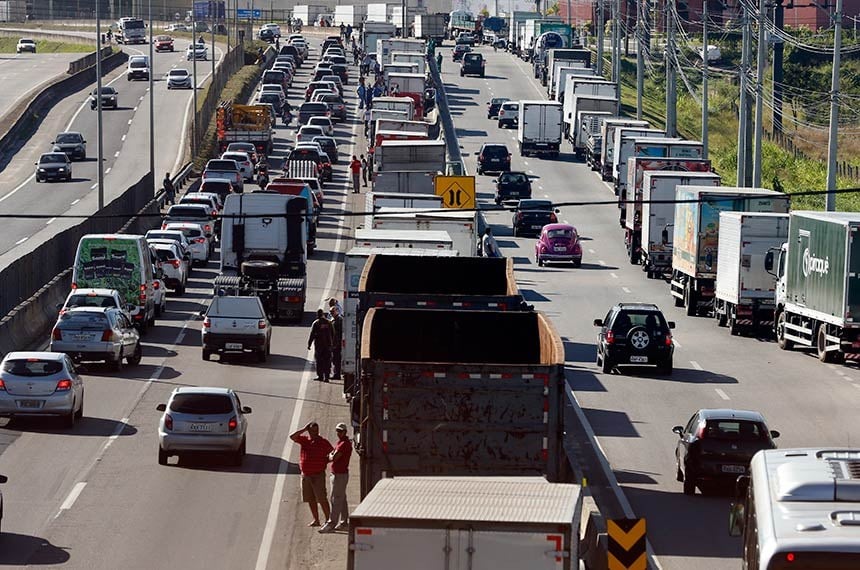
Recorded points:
116,154
22,240
123,140
73,495
696,365
51,221
129,121
721,394
107,170
591,251
94,186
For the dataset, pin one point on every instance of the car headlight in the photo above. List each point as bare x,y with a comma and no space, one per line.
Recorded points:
61,169
41,170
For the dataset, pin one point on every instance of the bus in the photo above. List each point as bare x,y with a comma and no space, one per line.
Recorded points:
799,509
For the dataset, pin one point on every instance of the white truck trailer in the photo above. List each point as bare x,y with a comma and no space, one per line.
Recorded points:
539,128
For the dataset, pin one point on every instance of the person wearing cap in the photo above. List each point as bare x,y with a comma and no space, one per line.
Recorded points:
339,457
313,459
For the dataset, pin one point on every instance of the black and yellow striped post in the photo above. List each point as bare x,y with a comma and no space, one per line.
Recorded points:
626,546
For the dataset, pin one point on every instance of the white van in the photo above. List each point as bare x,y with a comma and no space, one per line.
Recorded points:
121,262
138,67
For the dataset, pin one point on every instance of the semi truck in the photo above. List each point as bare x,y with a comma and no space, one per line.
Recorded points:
652,238
745,297
539,128
263,237
817,299
244,123
607,134
461,225
695,241
460,393
430,27
353,266
460,523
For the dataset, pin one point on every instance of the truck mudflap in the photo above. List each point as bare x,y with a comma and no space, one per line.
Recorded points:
292,293
533,148
657,263
745,318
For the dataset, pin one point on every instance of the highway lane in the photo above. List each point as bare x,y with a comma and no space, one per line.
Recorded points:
126,148
25,73
632,413
97,498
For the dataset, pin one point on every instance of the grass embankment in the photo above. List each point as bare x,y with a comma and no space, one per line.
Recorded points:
7,45
781,170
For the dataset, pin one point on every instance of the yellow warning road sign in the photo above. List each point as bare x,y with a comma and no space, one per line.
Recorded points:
456,191
627,544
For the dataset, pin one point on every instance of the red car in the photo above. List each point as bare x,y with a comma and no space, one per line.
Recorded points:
558,242
163,43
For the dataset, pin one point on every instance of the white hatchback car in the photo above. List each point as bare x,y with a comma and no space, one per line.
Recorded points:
199,245
41,384
246,167
173,265
324,123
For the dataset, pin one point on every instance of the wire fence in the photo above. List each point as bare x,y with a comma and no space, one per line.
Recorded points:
843,168
233,62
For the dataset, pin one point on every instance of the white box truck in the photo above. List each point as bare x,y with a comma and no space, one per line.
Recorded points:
607,137
562,74
745,295
377,13
539,128
405,182
351,15
461,225
431,27
574,103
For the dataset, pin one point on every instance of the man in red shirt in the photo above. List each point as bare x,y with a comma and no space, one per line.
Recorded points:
312,462
355,168
339,519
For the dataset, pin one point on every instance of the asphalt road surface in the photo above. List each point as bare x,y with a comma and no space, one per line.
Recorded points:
24,73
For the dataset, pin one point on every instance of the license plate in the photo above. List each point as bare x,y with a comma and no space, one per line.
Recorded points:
233,346
200,427
31,404
82,337
638,359
734,469
560,248
515,193
536,227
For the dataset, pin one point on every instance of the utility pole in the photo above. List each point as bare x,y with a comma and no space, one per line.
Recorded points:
194,125
671,79
600,32
616,46
761,62
778,51
100,158
742,102
151,106
613,32
834,108
705,62
640,60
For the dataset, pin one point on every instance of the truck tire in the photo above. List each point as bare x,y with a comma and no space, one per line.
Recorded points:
690,302
782,342
260,269
821,343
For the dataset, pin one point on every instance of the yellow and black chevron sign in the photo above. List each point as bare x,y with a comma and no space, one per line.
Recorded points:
626,545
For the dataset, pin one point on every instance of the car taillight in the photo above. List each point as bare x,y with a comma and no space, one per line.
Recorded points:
164,226
553,218
610,337
328,113
207,323
480,157
233,424
668,340
74,285
261,324
107,335
519,216
207,228
63,385
700,433
168,421
200,240
175,263
2,386
56,334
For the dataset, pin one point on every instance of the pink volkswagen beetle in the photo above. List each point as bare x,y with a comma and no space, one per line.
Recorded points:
558,242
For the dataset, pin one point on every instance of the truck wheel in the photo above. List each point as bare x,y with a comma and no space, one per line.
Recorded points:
690,303
722,319
734,330
689,485
782,342
634,255
824,355
206,355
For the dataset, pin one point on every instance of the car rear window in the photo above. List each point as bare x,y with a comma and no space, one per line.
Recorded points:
495,151
32,367
187,212
191,232
216,187
83,320
90,301
629,319
221,165
735,429
165,254
273,75
559,234
313,108
201,404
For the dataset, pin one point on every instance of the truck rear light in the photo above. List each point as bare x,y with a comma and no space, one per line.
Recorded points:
56,334
292,299
175,263
200,240
63,385
207,228
74,285
156,285
233,424
142,295
668,340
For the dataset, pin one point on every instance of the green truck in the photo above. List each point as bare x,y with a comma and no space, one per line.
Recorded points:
818,284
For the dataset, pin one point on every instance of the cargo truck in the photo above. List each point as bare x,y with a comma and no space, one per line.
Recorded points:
630,143
607,134
585,86
745,298
695,239
405,57
650,242
587,125
515,34
265,256
309,13
539,128
817,298
404,182
460,393
461,225
244,123
562,57
377,13
376,200
386,46
372,31
574,104
559,82
353,266
352,15
410,156
461,21
410,85
430,27
404,104
396,16
466,523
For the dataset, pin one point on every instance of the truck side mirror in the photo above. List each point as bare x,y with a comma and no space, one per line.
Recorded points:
161,407
768,261
664,236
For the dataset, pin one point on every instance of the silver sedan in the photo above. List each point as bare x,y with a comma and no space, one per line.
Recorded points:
41,384
97,333
202,420
179,79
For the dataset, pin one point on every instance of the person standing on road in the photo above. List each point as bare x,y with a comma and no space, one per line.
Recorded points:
337,345
355,168
489,245
313,459
366,121
342,30
361,91
322,338
169,190
363,170
339,517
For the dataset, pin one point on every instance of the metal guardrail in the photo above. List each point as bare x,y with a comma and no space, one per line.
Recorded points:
449,132
179,181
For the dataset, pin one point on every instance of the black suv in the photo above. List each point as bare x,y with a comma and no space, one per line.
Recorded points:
634,333
530,216
493,106
513,185
493,157
473,64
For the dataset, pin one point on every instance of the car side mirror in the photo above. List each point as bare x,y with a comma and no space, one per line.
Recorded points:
246,410
53,142
671,324
35,164
768,261
201,315
598,322
161,407
679,430
774,434
83,142
557,211
664,236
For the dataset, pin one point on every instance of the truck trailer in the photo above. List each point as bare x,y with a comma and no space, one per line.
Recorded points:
539,128
607,134
461,225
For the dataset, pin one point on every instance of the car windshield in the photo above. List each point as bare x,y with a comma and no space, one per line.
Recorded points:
472,57
32,367
137,63
304,154
560,234
164,254
735,430
498,101
626,320
66,138
26,42
510,106
105,91
201,404
178,72
133,25
83,321
163,38
495,151
313,108
90,301
52,159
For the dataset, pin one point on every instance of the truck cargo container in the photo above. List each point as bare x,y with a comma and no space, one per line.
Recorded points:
405,104
562,57
467,523
375,200
539,128
430,27
244,123
461,225
461,21
584,86
404,182
411,156
575,103
401,67
381,136
818,301
418,59
745,297
410,85
463,393
533,29
587,125
351,15
553,36
309,13
516,20
695,241
377,13
652,240
385,47
372,31
607,133
559,81
401,124
405,243
630,143
396,16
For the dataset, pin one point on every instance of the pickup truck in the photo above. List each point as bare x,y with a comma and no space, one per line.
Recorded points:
236,324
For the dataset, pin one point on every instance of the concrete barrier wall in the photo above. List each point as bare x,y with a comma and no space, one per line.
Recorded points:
88,61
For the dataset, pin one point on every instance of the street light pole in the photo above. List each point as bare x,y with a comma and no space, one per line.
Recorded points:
834,108
194,75
100,165
151,106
